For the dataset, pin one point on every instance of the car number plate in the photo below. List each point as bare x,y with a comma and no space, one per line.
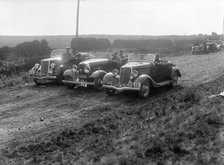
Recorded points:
84,84
82,76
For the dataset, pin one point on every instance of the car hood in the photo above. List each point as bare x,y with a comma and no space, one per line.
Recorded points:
137,64
52,59
95,61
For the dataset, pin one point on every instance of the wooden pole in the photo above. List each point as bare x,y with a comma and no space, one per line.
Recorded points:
77,20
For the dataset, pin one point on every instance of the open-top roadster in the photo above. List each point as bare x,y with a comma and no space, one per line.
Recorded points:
52,69
90,72
141,73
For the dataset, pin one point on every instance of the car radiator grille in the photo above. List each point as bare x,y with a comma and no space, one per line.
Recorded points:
44,67
125,75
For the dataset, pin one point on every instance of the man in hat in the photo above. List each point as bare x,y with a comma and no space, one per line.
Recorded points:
66,57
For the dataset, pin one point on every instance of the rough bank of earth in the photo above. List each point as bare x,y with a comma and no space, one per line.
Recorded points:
182,126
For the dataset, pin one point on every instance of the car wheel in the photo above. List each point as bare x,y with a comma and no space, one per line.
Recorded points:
98,84
69,86
174,80
110,92
59,78
145,89
35,81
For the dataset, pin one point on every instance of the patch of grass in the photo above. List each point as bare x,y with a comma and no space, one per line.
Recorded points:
192,95
13,80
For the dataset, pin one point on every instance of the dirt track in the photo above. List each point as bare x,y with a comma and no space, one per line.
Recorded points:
30,113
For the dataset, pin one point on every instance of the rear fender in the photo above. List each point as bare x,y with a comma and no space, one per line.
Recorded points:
98,74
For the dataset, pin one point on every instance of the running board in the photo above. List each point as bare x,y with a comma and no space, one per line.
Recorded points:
162,83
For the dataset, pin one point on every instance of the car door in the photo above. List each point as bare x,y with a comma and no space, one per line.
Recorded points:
157,72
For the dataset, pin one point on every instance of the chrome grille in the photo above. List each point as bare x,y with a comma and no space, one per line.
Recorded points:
44,67
125,75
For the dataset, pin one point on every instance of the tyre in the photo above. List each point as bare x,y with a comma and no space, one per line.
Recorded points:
174,80
109,92
69,86
145,89
35,81
98,84
59,80
60,77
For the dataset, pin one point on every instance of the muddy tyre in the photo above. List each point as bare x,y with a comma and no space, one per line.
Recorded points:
98,84
174,80
35,81
69,86
109,92
145,89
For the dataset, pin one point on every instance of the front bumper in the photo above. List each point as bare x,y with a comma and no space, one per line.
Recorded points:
79,83
120,89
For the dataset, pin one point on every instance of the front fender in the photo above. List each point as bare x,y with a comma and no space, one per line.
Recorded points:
98,74
109,78
175,69
68,72
145,77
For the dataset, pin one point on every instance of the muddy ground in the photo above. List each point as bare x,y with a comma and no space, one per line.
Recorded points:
55,125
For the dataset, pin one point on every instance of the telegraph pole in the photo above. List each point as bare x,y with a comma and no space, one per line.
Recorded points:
77,27
77,20
223,27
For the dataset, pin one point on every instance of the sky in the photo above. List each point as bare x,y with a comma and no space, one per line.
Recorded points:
127,17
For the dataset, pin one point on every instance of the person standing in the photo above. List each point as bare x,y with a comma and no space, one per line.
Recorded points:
66,57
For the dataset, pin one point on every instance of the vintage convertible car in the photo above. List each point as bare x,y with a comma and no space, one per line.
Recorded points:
52,69
90,72
141,73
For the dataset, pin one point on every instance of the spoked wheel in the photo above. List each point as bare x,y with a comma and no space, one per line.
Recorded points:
109,92
98,84
174,80
145,89
69,86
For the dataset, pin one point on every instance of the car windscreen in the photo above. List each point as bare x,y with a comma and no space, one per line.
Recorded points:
57,52
141,57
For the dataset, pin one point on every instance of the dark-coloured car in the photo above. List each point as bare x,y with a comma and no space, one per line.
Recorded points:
90,72
52,69
141,74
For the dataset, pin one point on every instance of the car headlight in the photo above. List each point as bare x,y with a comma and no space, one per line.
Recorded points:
36,66
86,69
134,74
115,72
53,65
74,68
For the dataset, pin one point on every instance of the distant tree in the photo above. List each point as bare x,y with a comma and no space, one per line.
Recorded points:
214,36
33,49
90,44
4,51
143,44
